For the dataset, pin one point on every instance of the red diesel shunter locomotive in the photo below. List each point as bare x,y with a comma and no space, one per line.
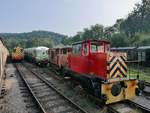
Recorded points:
101,73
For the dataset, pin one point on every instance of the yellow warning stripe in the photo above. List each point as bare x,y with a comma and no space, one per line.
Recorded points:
122,62
112,71
117,66
118,74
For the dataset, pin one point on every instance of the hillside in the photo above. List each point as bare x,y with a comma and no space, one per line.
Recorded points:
31,39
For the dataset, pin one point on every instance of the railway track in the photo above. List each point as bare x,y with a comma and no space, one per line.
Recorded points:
47,96
130,106
147,84
31,104
139,105
147,87
143,100
123,107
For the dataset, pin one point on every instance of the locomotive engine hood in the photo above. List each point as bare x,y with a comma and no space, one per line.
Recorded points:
116,65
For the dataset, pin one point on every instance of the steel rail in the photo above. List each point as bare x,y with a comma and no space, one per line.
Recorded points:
51,86
109,108
27,85
147,84
112,110
146,91
146,110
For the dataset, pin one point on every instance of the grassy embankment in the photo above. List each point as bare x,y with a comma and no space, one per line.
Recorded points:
144,72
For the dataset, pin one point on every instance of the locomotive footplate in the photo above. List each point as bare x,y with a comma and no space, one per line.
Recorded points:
119,90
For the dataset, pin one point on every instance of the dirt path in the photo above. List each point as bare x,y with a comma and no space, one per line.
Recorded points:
12,102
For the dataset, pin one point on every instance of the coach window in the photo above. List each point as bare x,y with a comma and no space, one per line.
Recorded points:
57,51
47,52
14,50
52,54
35,53
64,51
61,51
77,49
69,50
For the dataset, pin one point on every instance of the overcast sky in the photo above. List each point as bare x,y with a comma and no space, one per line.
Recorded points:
62,16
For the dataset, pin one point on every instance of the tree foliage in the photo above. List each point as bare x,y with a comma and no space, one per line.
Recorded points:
120,40
94,32
131,31
138,20
32,39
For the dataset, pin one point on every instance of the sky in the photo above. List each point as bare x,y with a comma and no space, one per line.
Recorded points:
61,16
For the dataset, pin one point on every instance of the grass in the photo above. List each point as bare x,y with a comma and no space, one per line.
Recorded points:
143,72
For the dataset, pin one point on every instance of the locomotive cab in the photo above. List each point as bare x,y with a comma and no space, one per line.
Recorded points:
89,57
101,72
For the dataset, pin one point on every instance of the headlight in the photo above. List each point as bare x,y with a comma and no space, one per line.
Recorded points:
116,89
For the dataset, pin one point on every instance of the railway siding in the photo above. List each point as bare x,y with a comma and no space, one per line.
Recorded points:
122,107
17,98
147,90
51,100
142,102
76,94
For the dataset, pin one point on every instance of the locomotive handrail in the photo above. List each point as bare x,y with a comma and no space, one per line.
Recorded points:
133,61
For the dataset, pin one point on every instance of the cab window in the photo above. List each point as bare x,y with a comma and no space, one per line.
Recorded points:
107,48
77,49
96,47
85,49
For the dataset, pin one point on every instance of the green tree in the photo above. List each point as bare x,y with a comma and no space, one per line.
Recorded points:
119,40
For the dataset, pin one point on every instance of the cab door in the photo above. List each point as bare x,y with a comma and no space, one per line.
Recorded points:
78,60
